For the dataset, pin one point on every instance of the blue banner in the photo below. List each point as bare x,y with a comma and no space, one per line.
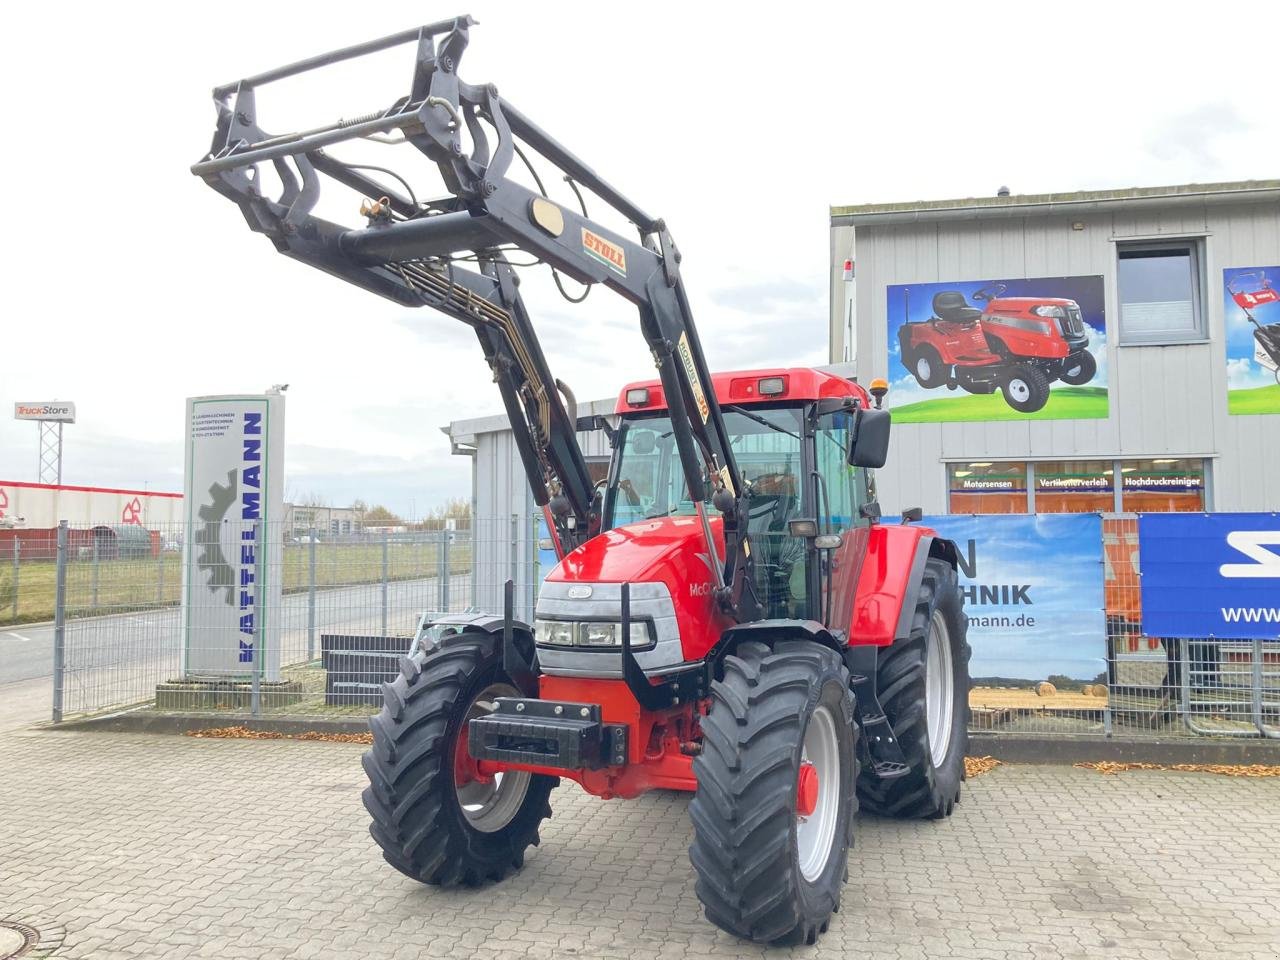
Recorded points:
1033,592
1210,574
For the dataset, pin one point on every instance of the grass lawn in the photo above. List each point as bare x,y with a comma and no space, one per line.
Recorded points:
1065,403
1257,400
130,585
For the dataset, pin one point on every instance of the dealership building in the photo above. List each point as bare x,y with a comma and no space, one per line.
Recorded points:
1076,352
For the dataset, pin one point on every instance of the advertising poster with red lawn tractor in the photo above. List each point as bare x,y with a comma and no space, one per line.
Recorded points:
973,350
1251,312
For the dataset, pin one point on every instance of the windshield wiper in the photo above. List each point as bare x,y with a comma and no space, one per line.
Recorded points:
760,420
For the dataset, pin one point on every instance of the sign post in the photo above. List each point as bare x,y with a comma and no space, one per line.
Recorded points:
51,415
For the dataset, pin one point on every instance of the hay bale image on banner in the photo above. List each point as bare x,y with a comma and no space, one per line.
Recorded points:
1251,312
233,550
977,350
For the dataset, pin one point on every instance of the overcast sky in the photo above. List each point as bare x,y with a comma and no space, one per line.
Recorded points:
129,285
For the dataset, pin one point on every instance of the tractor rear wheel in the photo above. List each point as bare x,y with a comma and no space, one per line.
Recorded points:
436,816
923,683
1025,388
773,813
927,365
1078,368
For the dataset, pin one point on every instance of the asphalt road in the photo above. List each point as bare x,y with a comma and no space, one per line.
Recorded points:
111,657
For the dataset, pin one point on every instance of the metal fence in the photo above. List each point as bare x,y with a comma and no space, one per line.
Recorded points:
349,607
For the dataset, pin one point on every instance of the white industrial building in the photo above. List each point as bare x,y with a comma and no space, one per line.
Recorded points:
1175,268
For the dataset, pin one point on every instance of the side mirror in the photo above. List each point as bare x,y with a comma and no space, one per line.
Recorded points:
870,444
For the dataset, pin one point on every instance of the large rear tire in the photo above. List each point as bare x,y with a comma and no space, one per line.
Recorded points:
923,687
435,817
928,368
765,872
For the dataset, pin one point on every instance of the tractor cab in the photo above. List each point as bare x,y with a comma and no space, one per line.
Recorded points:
795,436
791,433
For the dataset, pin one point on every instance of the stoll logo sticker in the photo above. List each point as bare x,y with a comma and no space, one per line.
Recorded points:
607,252
579,592
686,358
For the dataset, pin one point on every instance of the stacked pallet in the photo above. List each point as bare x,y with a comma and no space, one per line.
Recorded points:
356,666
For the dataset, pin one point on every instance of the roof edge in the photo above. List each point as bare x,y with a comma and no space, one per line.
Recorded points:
924,209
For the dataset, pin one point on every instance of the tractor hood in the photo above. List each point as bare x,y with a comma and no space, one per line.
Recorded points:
670,549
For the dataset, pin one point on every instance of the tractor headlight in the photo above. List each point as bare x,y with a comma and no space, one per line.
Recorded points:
1047,310
590,633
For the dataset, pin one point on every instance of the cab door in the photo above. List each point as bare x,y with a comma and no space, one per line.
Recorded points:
842,491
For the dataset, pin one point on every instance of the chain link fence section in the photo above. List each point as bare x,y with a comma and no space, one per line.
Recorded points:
348,608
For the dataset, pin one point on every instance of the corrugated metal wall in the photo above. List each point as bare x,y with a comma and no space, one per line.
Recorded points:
1165,401
505,535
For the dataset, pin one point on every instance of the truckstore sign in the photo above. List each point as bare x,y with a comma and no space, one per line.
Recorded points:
1251,314
1210,574
1033,591
232,553
971,350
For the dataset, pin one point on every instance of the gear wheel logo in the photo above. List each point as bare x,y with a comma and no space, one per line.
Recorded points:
208,540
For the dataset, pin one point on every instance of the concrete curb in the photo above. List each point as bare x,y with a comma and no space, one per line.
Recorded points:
1068,749
1006,747
148,721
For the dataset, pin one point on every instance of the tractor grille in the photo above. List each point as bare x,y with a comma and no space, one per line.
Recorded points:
1073,323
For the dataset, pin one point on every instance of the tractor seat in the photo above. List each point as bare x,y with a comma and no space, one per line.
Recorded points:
950,305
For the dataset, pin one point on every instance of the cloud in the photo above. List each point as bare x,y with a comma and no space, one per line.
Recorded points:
1197,136
765,296
1246,374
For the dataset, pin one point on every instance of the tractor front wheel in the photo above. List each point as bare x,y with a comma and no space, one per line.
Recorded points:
1025,388
436,815
1079,368
923,683
773,813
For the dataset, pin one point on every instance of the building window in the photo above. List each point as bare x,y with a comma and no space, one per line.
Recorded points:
1163,485
1160,286
1075,486
983,487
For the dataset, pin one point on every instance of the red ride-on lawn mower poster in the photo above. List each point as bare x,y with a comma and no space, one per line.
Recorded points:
1251,312
971,350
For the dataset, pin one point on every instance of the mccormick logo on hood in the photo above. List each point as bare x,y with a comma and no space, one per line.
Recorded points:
607,252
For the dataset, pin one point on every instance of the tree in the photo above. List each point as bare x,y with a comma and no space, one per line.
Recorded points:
379,516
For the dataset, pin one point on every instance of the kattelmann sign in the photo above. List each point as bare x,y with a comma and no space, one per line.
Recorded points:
232,556
1210,574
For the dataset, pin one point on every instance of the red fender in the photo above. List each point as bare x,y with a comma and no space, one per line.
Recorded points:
888,581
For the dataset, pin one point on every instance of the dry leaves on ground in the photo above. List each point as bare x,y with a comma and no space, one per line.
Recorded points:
1111,767
977,766
244,733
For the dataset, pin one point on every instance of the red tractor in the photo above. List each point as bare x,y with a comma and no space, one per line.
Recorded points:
728,616
1018,345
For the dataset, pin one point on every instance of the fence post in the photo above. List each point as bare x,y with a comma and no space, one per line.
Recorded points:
311,594
17,570
259,563
160,573
446,573
95,571
384,582
60,622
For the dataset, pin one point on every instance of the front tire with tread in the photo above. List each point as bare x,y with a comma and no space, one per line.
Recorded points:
746,850
418,821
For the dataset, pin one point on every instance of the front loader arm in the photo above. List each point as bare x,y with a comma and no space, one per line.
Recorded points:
410,253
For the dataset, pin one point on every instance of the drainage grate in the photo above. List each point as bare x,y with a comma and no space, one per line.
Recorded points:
28,937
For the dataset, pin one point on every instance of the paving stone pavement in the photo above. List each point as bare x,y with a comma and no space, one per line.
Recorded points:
170,847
